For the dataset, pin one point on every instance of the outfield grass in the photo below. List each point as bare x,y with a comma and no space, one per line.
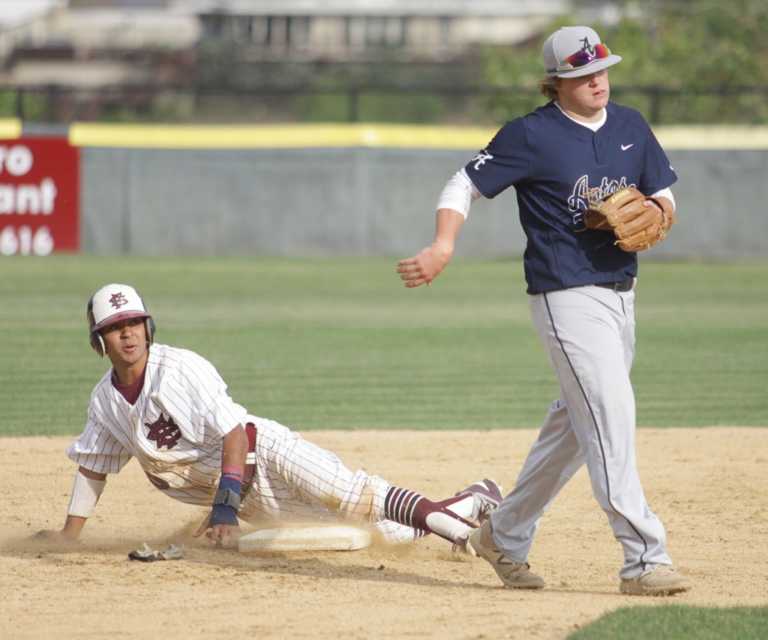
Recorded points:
678,622
341,344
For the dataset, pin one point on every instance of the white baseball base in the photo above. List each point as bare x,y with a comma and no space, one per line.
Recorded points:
331,538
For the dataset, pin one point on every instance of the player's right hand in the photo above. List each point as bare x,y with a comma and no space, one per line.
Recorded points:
223,535
219,535
425,266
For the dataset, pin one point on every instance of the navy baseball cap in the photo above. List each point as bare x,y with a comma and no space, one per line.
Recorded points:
571,52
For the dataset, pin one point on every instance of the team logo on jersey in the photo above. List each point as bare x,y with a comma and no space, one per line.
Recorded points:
480,159
164,432
118,300
582,194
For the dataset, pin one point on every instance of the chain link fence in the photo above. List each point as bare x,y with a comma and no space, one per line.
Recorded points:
360,103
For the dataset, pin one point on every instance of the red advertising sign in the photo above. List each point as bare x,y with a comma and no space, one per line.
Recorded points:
39,196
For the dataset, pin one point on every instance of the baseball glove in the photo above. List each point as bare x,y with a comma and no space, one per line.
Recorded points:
637,224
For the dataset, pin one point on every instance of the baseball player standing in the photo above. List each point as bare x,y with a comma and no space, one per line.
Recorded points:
169,409
577,149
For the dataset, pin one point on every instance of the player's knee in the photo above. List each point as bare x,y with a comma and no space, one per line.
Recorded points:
364,499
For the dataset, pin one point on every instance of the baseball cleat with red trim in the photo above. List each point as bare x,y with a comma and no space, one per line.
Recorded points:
487,497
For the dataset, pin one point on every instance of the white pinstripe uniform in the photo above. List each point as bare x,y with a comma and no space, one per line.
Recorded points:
175,428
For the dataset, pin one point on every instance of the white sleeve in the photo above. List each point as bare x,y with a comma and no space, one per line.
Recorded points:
97,449
209,393
458,194
666,193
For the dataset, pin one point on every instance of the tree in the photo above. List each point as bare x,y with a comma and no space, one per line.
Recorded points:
703,60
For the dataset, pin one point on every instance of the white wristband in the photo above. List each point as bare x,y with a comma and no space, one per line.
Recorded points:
85,495
666,193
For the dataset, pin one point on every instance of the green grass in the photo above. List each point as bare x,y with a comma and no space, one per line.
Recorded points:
341,344
672,622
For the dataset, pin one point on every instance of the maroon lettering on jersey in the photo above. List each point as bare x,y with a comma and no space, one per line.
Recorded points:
164,432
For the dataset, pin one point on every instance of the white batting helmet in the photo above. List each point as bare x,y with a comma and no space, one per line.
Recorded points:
113,303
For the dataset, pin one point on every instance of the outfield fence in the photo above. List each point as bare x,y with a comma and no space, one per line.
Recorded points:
359,190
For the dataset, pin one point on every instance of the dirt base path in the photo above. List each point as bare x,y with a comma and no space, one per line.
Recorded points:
707,485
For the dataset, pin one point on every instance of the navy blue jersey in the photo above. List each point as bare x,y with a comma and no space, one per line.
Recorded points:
556,167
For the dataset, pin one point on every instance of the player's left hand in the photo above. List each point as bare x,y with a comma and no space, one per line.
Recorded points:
50,535
637,221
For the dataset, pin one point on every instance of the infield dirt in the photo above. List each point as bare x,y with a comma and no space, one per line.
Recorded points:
707,485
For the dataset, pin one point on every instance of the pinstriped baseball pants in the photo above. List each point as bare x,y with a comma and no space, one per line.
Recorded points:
296,480
589,334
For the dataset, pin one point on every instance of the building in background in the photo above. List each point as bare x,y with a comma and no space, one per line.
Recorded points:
86,43
351,30
182,59
88,58
263,30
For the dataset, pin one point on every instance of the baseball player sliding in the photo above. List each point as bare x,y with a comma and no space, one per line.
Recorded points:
583,169
169,409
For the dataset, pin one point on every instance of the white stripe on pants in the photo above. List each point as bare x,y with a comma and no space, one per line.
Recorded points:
589,335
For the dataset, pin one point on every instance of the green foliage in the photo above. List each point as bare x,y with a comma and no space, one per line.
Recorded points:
7,104
341,344
702,54
673,622
517,72
370,107
401,107
33,105
323,107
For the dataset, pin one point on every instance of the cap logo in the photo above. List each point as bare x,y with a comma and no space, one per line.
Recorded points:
586,46
584,56
118,300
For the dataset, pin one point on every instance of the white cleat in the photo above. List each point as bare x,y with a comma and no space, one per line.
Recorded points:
487,497
659,580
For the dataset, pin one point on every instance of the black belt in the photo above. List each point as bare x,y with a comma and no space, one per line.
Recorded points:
622,285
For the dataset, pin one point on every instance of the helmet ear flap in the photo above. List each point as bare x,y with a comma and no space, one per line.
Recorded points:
97,342
149,326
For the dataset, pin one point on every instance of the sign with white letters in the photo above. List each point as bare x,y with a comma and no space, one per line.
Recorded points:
39,196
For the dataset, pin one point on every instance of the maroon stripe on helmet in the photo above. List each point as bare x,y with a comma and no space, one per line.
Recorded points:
117,317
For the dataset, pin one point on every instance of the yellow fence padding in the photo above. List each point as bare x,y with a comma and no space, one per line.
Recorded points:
10,128
302,136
